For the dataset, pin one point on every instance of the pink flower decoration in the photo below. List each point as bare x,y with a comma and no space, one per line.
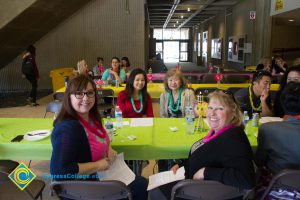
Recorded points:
149,77
218,77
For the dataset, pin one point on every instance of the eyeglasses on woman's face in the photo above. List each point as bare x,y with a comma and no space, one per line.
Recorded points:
80,94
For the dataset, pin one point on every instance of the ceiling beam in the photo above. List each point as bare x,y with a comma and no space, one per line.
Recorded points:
176,2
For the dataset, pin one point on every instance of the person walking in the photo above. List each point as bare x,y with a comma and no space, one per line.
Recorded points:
31,73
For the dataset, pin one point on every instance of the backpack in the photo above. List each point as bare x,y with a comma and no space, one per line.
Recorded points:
27,66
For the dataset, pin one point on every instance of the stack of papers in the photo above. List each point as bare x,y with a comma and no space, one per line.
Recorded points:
163,178
141,122
118,170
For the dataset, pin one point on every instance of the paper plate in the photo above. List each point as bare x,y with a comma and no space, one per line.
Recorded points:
37,135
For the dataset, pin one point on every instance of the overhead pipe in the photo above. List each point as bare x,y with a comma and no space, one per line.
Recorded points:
175,4
207,3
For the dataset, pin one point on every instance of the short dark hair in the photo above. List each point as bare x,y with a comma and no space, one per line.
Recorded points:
67,112
129,84
290,98
127,61
99,58
257,76
283,80
31,49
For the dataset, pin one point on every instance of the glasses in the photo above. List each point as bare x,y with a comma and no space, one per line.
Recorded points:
80,94
228,92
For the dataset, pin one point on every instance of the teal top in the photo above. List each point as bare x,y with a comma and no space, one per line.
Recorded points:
107,76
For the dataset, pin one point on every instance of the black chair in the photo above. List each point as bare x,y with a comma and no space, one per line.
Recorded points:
237,78
106,100
53,107
58,96
105,190
10,191
286,179
204,190
208,78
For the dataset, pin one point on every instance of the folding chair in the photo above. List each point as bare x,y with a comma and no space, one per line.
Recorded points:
286,179
58,96
10,191
105,190
53,107
204,190
237,78
106,99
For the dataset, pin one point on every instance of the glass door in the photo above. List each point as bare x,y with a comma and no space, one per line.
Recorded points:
171,51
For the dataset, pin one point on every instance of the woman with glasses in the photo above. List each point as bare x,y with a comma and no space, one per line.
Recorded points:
80,144
135,101
224,154
177,96
115,72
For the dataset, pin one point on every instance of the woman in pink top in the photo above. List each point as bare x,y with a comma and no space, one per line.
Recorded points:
135,101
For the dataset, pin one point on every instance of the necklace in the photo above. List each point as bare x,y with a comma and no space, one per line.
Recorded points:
141,103
171,100
251,102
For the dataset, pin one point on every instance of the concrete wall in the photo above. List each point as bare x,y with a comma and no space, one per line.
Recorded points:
101,28
9,9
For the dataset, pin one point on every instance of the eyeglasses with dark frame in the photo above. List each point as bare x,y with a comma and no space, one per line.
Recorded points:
228,92
80,94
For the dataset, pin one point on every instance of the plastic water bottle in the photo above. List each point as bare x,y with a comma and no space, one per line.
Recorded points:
190,119
245,120
118,115
117,83
109,127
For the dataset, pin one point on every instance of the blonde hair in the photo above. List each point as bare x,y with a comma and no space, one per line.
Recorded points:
228,101
80,67
174,72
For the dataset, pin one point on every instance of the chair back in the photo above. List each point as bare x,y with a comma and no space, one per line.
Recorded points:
105,190
101,95
58,96
10,191
208,78
286,179
237,78
53,107
204,190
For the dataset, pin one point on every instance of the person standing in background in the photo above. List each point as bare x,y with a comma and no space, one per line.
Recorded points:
99,68
31,73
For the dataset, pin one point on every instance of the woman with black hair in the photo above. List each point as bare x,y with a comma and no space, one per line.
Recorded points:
31,72
135,101
291,74
115,72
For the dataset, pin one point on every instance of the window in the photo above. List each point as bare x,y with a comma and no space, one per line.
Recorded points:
172,44
198,44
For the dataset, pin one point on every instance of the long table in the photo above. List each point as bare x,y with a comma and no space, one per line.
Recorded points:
155,142
155,89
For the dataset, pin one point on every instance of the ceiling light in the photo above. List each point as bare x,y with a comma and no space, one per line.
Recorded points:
291,20
181,16
176,22
174,25
189,9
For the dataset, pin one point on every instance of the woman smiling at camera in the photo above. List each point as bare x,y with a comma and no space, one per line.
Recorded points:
115,72
135,101
80,144
224,154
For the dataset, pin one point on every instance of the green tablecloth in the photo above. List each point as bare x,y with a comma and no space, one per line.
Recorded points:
157,142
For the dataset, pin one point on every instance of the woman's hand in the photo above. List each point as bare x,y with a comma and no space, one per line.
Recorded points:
199,175
175,168
103,164
113,72
112,155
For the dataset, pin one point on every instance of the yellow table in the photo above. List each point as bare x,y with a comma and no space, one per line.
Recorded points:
155,89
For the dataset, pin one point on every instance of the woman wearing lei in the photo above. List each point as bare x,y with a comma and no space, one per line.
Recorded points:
135,101
176,96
